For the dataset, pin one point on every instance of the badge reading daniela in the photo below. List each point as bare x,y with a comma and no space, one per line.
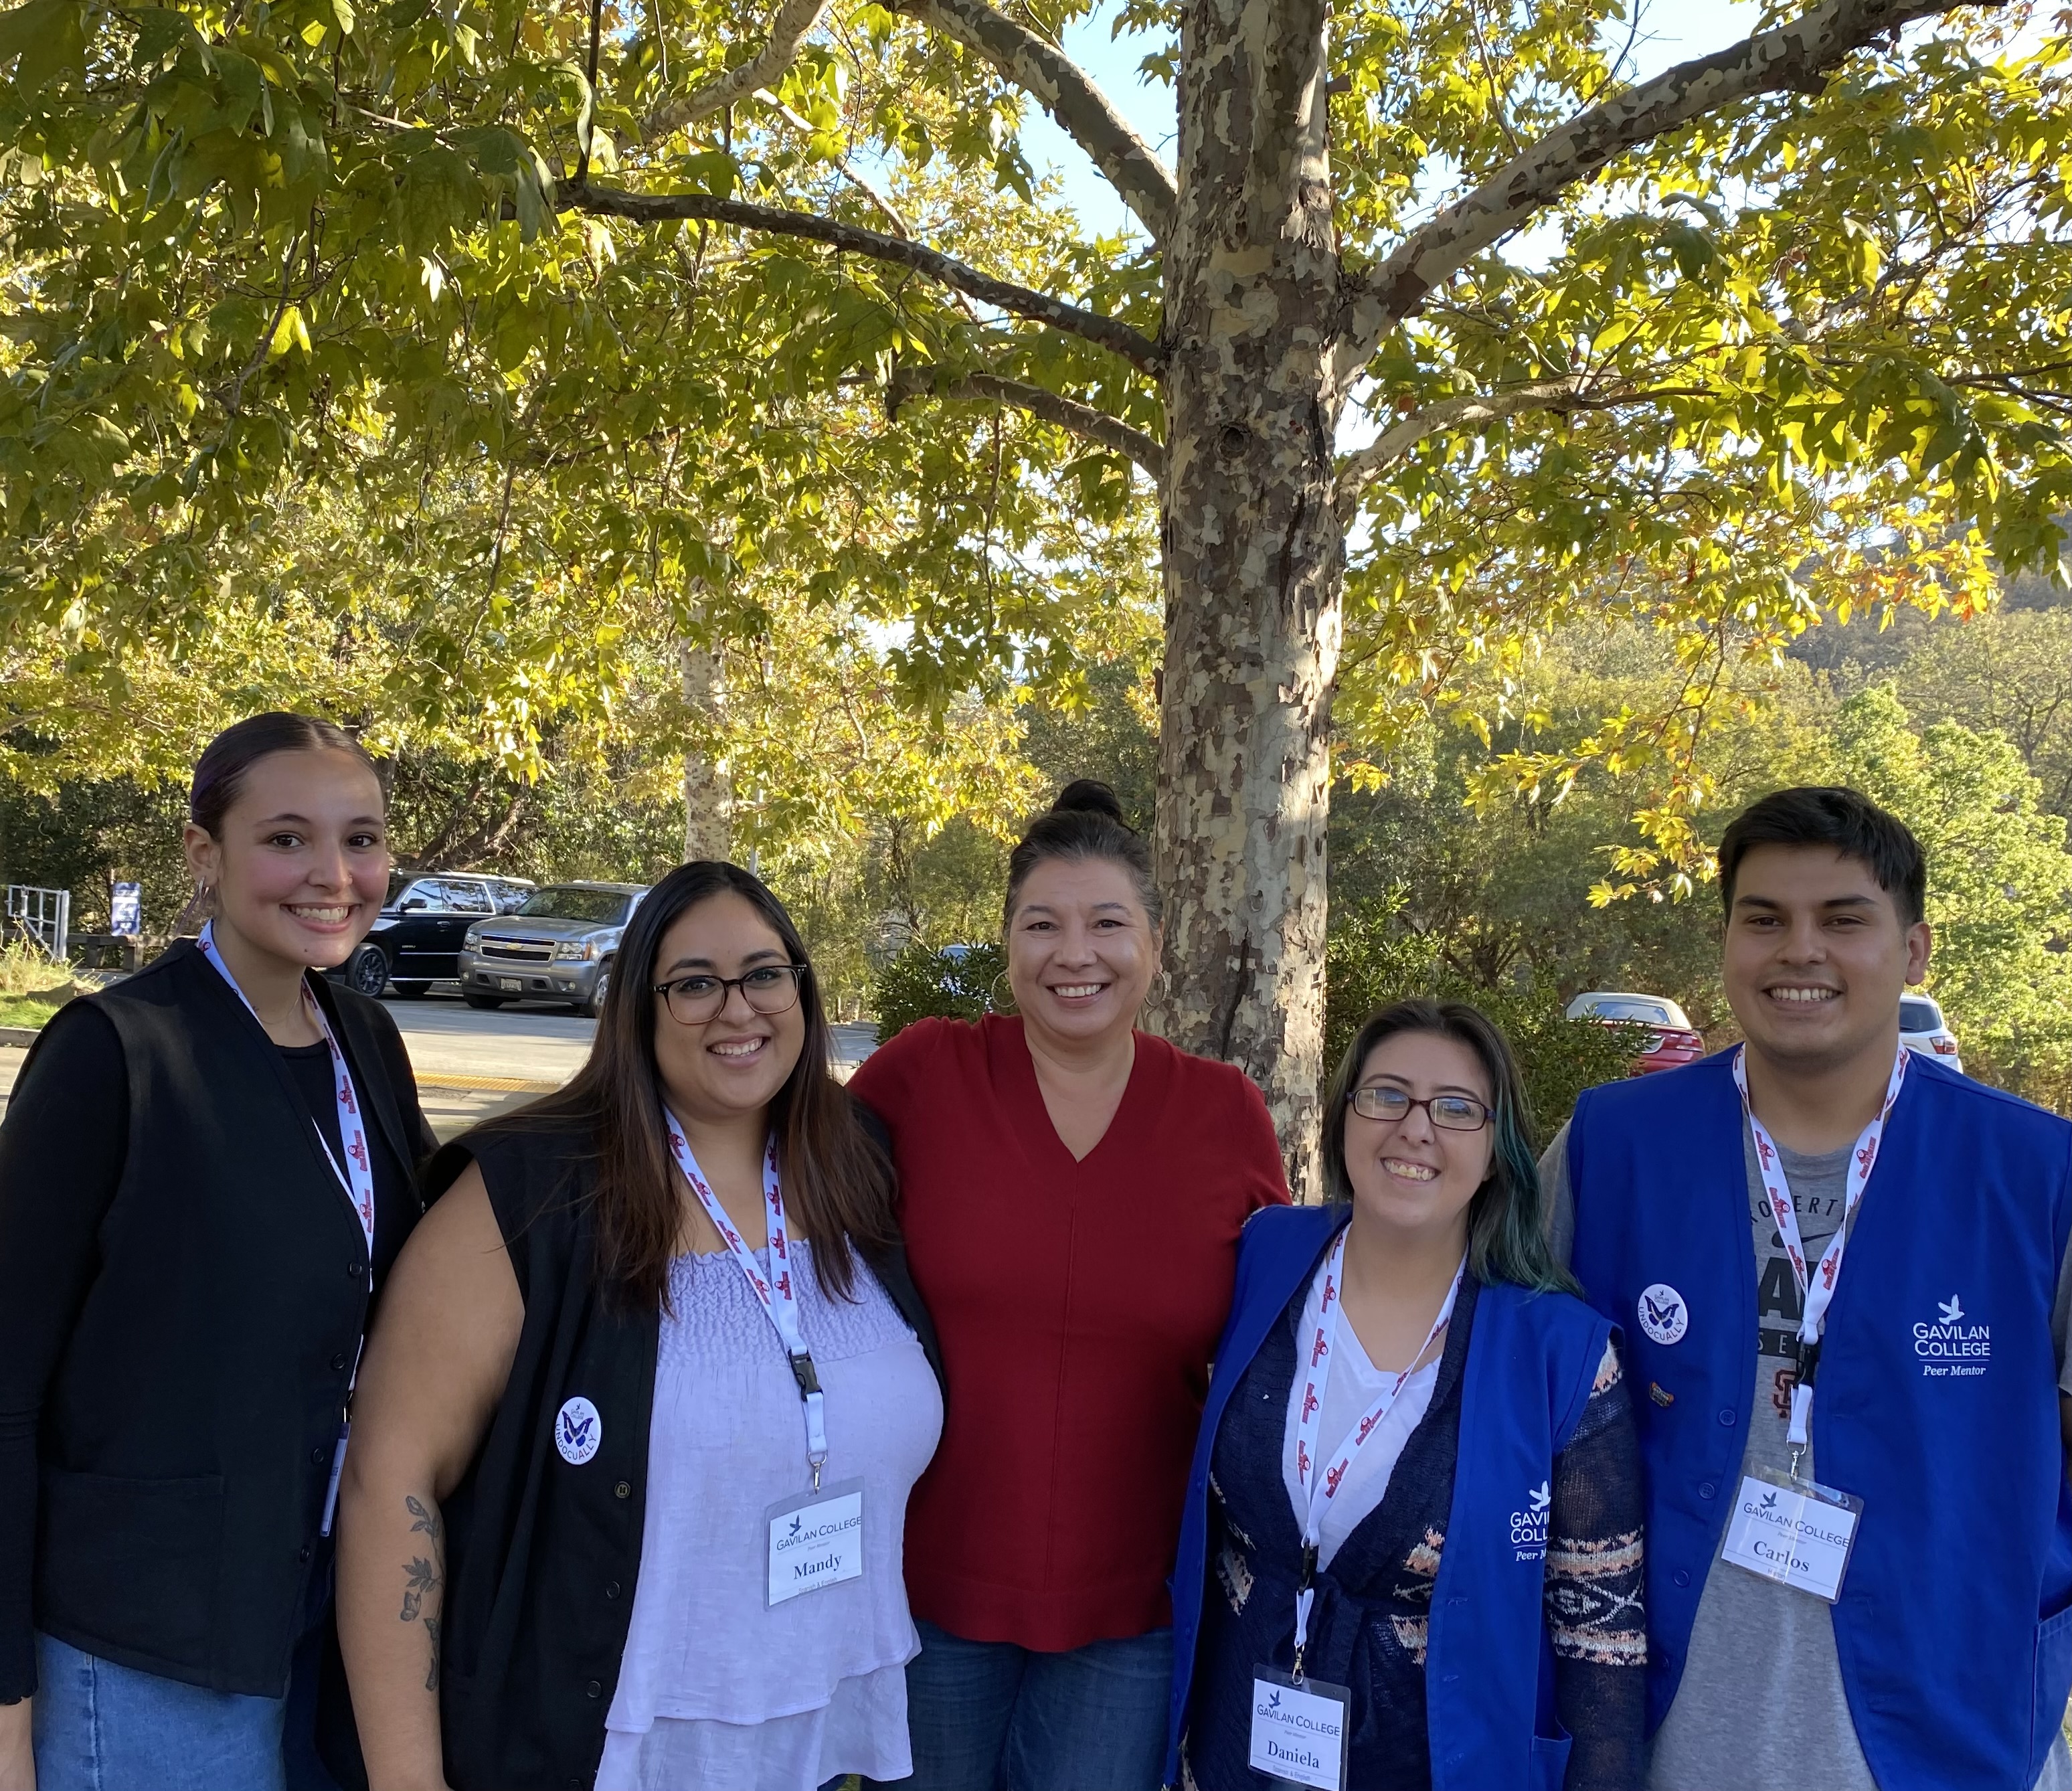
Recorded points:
1298,1729
1663,1316
579,1431
815,1541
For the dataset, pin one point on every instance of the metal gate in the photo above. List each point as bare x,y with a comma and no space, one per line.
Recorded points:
43,915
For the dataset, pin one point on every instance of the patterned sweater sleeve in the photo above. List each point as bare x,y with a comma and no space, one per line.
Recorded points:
1594,1612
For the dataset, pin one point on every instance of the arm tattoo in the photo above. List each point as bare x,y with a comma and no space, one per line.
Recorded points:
422,1577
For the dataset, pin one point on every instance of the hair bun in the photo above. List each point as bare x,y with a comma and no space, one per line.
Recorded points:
1088,796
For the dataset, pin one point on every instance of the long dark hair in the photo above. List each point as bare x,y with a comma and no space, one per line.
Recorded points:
838,1184
1506,1231
1085,822
227,761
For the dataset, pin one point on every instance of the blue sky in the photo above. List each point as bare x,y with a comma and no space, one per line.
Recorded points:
1673,31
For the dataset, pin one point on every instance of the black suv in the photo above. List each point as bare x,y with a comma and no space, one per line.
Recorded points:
416,939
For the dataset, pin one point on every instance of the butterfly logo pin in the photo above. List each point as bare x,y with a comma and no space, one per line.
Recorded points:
1663,1315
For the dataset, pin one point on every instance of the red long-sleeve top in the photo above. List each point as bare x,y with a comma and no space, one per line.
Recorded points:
1077,1305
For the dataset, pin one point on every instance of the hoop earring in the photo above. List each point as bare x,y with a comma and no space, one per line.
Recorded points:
1000,995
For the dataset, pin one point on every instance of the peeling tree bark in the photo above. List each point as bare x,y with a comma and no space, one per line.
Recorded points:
1254,557
708,790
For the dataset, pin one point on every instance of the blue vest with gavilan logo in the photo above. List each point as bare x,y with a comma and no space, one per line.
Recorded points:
1936,1401
1532,1362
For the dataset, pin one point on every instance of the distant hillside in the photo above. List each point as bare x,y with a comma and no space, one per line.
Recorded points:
1861,645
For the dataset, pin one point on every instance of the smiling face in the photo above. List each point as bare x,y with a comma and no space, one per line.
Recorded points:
301,867
1407,1174
1816,955
1081,950
731,1066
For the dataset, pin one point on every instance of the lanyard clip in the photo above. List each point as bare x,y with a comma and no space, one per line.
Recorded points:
1809,1361
1305,1595
802,1372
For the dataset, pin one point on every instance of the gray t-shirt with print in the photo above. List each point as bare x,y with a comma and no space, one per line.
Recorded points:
1760,1701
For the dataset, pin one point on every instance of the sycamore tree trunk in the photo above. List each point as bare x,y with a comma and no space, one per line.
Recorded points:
1253,556
708,790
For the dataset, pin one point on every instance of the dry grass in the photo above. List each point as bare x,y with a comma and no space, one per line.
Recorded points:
32,989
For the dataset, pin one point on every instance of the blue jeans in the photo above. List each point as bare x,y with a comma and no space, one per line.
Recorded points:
991,1716
99,1727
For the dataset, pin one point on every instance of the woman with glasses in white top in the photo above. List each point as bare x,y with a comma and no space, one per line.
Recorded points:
628,1492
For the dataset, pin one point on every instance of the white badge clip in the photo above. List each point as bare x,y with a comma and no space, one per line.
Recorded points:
815,1541
1793,1531
1298,1729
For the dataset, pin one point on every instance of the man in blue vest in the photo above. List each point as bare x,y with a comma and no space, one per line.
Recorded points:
1841,1272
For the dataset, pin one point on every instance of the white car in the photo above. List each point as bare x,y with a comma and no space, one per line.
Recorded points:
1922,1029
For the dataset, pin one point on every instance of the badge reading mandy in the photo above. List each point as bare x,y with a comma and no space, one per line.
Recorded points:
1663,1316
579,1431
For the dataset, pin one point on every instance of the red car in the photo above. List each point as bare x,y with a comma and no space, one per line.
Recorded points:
1672,1040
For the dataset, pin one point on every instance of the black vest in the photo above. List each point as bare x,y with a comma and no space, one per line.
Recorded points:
188,1432
542,1554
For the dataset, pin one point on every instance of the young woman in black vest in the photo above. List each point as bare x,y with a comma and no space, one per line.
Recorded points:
654,1332
205,1172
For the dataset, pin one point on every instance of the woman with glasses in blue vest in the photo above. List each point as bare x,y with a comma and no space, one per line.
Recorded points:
1412,1551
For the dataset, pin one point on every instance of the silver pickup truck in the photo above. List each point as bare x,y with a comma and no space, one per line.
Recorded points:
557,945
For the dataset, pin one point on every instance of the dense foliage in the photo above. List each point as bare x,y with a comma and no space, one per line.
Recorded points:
926,982
1373,962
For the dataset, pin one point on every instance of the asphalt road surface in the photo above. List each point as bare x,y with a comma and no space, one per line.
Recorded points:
472,1065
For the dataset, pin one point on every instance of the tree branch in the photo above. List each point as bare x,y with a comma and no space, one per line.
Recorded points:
1357,470
1796,56
1110,333
1067,414
884,206
793,25
1083,111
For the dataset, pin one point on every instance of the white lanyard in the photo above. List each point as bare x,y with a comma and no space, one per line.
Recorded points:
357,1177
779,1298
1816,1288
1318,1490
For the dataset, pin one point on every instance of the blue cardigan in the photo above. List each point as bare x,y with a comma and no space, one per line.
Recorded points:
1532,1363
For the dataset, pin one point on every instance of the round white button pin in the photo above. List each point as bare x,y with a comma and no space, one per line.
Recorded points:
579,1431
1663,1316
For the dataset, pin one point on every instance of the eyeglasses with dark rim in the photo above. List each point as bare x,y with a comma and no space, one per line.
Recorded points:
1449,1113
768,989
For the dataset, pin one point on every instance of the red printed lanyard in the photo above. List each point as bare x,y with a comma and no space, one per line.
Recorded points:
357,1177
1319,1490
779,1297
1816,1288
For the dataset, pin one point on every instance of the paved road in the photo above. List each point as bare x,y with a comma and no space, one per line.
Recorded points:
473,1064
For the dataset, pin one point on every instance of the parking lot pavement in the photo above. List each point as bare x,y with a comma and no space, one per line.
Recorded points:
449,1041
473,1064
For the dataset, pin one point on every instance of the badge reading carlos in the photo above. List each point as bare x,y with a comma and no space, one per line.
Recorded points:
1663,1315
579,1431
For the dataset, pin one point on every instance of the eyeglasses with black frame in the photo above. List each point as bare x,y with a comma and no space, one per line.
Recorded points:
768,989
1448,1112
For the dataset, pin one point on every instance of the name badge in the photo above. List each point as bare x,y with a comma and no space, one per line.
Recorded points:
1298,1732
1794,1532
815,1541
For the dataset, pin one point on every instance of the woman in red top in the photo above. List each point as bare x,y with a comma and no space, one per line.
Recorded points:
1072,1192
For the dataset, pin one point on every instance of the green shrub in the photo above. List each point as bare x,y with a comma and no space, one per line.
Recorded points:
923,982
1370,962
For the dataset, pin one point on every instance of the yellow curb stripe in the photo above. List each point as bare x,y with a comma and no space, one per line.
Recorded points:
508,1084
